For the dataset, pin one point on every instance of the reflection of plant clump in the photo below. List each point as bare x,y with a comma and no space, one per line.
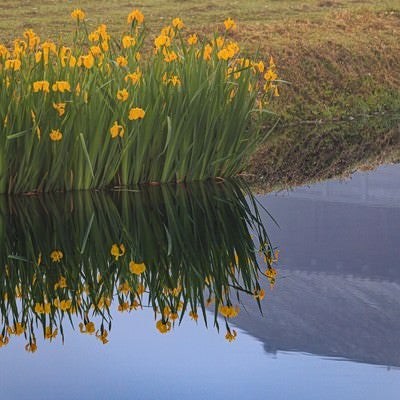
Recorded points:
102,113
176,250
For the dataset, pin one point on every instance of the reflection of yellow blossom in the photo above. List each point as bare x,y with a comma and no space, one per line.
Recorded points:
124,288
124,306
259,294
163,327
229,311
117,251
230,336
18,329
31,347
136,268
3,340
87,328
102,336
42,308
193,315
62,283
63,305
49,334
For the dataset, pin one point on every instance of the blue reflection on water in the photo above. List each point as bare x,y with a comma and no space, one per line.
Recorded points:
190,362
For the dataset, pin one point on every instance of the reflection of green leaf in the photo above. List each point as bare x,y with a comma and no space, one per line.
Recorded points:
19,258
87,234
194,240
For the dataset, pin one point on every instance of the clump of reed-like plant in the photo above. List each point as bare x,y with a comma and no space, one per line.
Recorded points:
103,112
79,257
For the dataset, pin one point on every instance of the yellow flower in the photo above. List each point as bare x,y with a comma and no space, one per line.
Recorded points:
177,23
38,56
55,136
174,80
32,38
61,86
95,50
223,54
72,61
133,77
230,336
78,14
60,107
162,40
192,39
56,255
49,334
41,86
94,36
87,61
122,95
88,328
117,251
163,327
136,113
207,52
31,347
135,15
116,130
4,53
102,336
122,61
137,269
219,41
169,56
229,24
128,41
15,65
270,75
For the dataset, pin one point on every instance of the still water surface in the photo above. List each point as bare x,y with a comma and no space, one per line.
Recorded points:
329,327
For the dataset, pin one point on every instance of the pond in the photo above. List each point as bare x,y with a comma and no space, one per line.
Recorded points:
326,328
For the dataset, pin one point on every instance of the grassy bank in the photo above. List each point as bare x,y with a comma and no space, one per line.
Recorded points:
340,57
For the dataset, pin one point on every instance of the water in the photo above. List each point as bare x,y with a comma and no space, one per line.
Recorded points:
329,327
